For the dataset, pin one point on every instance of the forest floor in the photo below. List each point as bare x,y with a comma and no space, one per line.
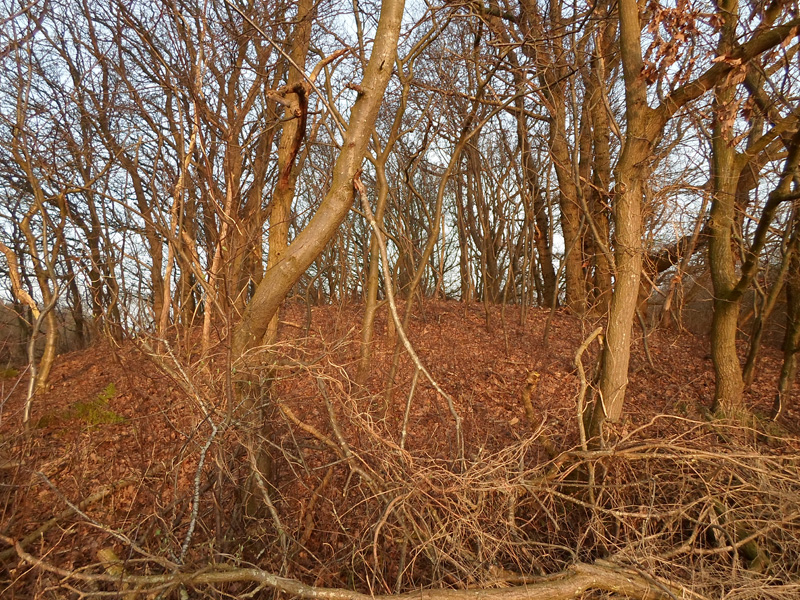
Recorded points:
123,428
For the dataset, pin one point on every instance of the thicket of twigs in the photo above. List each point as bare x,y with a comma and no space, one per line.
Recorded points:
674,509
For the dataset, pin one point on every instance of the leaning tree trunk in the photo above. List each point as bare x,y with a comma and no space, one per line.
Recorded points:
310,242
790,250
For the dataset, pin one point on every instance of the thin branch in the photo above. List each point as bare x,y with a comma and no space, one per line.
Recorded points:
387,279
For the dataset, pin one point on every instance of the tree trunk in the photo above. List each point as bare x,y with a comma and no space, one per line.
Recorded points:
791,340
575,298
598,193
535,207
790,250
631,172
725,176
292,135
464,263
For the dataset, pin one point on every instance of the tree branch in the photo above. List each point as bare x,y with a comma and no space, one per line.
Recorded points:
572,583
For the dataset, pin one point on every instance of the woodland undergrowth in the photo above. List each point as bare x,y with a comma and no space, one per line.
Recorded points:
354,504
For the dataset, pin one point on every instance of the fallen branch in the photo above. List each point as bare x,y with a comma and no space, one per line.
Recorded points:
572,583
65,514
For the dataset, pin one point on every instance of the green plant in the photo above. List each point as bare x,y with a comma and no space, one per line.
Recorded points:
109,393
97,412
92,412
9,373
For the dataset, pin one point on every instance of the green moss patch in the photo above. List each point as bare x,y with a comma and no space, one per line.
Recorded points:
8,373
92,412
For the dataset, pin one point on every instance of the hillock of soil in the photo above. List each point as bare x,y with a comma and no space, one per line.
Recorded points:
140,478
